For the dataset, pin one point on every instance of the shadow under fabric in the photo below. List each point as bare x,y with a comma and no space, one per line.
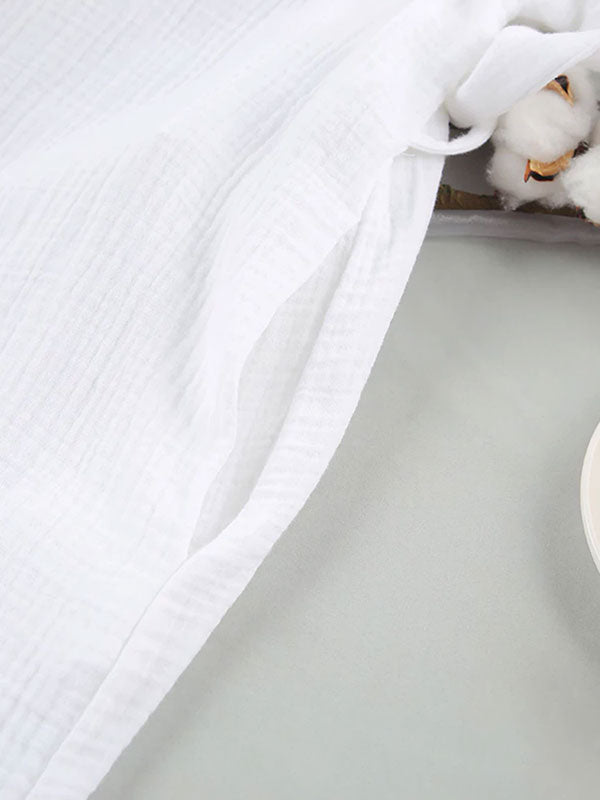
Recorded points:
203,247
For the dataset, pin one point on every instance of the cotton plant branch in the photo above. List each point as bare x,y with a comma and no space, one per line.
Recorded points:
449,199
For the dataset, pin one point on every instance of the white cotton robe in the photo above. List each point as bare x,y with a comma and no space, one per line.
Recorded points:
208,214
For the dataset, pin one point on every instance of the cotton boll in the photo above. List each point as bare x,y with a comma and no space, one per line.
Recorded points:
581,181
505,173
595,137
543,126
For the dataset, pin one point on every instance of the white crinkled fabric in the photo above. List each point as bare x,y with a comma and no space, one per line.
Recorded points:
209,214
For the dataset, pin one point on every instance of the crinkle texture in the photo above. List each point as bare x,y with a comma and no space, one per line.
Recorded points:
209,214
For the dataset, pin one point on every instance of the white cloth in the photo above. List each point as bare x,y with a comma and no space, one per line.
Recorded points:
209,214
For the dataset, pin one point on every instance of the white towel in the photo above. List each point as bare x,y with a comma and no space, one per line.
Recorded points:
209,211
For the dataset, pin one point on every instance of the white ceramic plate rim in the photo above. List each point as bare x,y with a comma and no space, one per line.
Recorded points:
590,481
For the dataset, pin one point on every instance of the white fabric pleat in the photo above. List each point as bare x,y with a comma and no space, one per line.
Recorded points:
209,212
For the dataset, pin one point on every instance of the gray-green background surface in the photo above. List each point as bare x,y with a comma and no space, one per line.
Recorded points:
429,627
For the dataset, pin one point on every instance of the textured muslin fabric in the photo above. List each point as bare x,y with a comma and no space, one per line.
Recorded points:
209,211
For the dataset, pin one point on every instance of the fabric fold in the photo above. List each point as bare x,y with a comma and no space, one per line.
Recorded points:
209,214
